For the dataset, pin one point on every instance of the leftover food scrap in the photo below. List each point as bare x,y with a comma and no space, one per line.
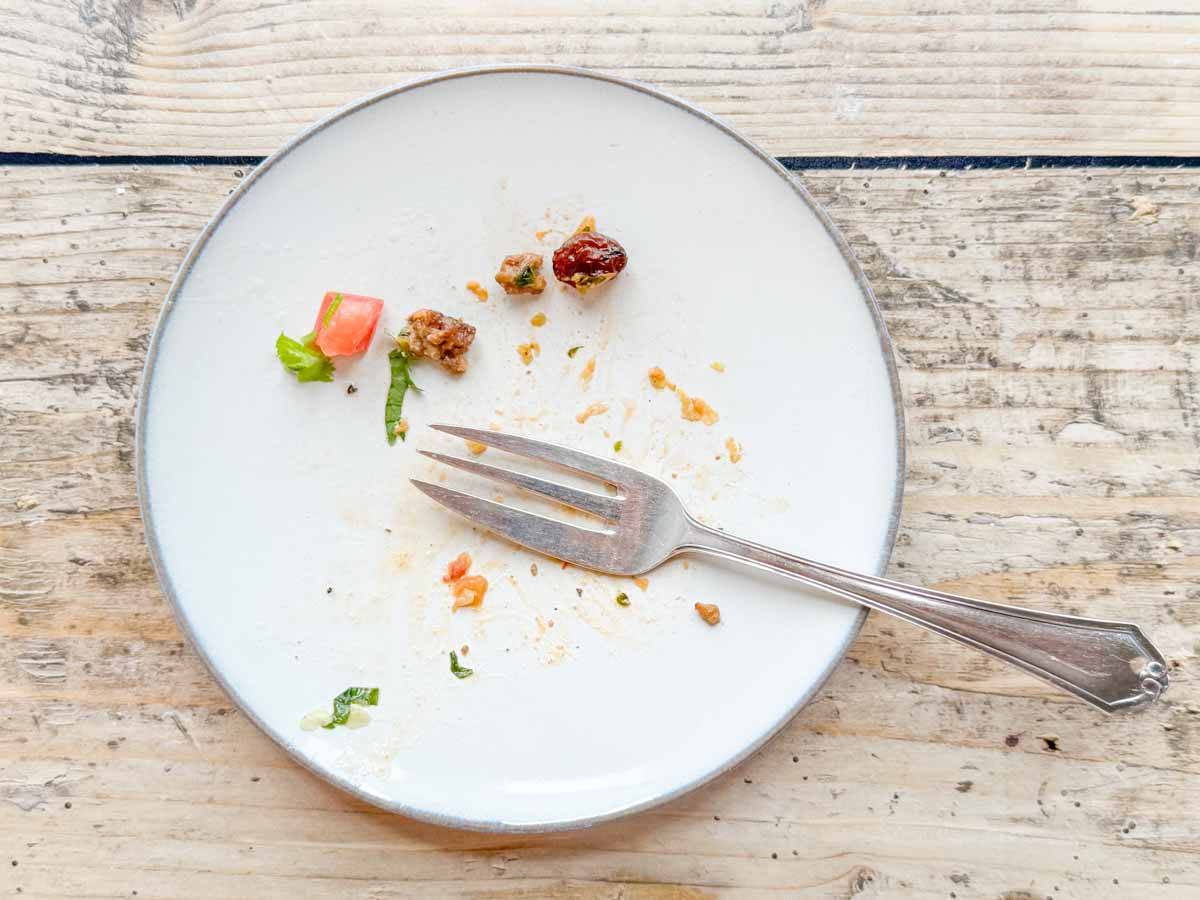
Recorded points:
528,351
588,258
521,273
345,325
475,288
459,671
693,409
709,612
467,590
439,337
593,409
395,425
343,711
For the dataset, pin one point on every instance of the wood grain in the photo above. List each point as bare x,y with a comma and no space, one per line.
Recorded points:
802,77
1048,345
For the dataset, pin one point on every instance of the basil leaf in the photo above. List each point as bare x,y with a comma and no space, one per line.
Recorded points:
459,671
401,382
351,696
304,358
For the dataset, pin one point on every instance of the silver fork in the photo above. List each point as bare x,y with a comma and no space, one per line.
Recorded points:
1111,665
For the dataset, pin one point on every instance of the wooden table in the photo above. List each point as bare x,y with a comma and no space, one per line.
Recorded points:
1047,325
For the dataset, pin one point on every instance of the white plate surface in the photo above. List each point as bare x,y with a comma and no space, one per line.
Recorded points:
261,493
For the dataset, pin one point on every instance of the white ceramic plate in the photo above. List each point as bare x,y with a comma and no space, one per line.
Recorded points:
260,494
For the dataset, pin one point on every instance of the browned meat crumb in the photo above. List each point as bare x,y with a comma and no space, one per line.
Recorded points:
521,273
478,290
438,337
709,612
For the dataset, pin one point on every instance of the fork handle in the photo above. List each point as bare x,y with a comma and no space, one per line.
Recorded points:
1111,665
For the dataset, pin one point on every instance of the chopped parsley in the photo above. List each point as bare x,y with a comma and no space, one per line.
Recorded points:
351,696
525,277
401,382
304,358
459,671
622,599
617,446
571,353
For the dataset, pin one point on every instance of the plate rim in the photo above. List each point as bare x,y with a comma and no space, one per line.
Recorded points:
151,535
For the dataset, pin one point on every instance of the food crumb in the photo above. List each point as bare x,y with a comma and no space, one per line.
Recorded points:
658,379
464,650
468,591
571,353
521,273
709,612
617,445
439,337
478,290
718,367
695,409
538,320
593,409
541,235
457,568
588,371
622,599
475,447
528,351
735,450
400,428
641,582
533,569
351,389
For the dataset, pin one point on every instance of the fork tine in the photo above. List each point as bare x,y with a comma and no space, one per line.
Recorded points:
584,463
596,504
557,539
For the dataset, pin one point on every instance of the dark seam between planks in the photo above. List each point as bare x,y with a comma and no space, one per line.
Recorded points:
792,163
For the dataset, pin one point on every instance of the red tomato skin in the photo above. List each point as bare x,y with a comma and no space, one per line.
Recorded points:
351,326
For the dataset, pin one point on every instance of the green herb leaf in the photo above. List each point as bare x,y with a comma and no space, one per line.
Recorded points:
304,358
456,670
617,446
401,382
334,304
571,353
351,696
622,599
526,277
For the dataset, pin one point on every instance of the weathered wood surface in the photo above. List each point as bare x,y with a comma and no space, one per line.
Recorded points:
803,77
1049,350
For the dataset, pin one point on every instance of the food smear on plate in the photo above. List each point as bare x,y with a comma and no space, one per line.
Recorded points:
346,710
478,290
459,671
717,366
439,337
588,258
658,379
593,409
521,273
588,371
709,612
346,323
642,583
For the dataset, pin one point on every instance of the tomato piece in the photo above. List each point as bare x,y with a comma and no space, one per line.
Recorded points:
351,326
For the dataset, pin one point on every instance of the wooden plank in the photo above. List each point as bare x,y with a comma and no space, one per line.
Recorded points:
810,77
1053,430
